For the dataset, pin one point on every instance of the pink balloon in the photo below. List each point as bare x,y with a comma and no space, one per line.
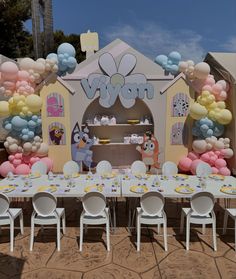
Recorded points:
22,169
23,75
16,162
205,157
47,161
11,157
9,70
18,155
206,88
214,170
185,164
194,165
217,88
193,156
224,171
220,163
34,160
5,168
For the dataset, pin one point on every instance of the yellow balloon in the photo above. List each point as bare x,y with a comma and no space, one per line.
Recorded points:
4,109
197,111
34,103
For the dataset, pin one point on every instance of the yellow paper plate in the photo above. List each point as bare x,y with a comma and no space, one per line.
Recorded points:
7,188
133,121
142,176
104,141
93,188
181,176
140,189
228,190
34,175
74,175
108,175
217,176
184,189
50,189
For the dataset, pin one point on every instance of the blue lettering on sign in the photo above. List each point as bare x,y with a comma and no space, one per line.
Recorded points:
109,93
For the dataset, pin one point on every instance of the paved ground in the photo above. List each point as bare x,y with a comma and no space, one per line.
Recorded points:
123,261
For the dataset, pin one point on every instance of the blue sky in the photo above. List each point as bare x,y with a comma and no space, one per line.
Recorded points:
192,27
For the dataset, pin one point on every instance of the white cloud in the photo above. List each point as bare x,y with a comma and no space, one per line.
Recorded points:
152,40
230,44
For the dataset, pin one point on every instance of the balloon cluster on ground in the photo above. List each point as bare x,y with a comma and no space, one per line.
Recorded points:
18,83
65,59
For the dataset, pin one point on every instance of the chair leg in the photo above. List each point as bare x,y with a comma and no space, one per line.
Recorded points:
214,234
64,223
32,236
138,233
11,235
203,228
158,228
108,235
165,235
0,230
85,228
58,235
182,222
21,224
187,232
235,234
225,221
81,235
114,213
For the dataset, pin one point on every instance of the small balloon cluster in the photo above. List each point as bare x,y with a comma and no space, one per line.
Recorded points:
169,63
65,59
23,107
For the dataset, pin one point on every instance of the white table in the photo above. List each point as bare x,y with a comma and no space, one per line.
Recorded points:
168,186
111,186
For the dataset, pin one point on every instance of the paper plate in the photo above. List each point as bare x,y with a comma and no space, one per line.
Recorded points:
133,121
126,177
181,176
34,175
217,176
7,188
50,189
93,188
142,176
140,189
108,175
184,189
228,190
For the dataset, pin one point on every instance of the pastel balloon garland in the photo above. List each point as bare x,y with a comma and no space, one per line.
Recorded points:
23,107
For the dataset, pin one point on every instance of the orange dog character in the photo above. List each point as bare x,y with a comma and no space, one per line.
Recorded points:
149,151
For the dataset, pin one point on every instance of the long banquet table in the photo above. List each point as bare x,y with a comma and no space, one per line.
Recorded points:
117,186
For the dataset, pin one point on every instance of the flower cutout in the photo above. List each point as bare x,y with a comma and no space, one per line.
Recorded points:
115,78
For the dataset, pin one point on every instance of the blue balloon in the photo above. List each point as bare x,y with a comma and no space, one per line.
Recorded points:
161,59
175,57
52,56
66,48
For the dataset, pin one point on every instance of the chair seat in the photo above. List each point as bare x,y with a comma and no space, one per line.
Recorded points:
196,218
95,220
15,212
48,220
232,212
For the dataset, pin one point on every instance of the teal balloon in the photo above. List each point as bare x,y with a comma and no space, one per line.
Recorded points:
161,59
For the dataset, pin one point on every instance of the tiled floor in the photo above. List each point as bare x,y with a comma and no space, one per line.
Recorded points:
123,261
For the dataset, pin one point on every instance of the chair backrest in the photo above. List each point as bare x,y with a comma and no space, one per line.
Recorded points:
44,203
169,168
202,203
40,167
4,203
70,167
103,167
138,167
94,203
203,169
152,203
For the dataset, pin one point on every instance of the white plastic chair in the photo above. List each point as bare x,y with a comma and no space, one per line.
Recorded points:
232,213
8,216
103,167
169,168
94,212
138,167
203,169
151,212
46,213
201,212
70,168
39,167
